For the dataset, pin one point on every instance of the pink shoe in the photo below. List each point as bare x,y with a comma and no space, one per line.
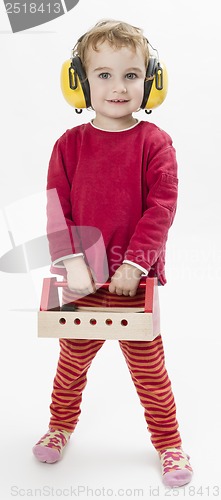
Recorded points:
176,468
49,448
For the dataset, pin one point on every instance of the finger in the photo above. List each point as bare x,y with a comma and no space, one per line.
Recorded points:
119,291
111,288
132,293
93,287
82,291
75,291
92,280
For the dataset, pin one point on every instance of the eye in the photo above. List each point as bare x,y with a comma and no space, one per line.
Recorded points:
131,76
104,76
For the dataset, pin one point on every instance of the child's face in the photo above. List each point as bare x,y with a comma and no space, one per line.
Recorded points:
116,79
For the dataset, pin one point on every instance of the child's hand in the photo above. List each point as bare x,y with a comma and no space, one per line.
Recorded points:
79,277
125,281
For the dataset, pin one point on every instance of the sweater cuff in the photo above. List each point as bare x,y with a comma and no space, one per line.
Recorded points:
59,262
144,271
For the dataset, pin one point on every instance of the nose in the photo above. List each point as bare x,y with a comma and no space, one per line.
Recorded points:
119,87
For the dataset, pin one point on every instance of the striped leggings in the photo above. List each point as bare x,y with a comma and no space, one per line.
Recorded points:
145,361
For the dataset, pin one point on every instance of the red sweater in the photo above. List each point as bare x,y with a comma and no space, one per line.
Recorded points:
124,183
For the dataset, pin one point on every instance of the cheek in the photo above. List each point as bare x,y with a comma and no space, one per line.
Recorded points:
140,88
93,93
95,90
138,94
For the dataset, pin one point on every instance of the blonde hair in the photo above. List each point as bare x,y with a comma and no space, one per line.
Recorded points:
117,33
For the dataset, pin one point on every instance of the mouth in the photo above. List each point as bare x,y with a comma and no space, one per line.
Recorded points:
118,101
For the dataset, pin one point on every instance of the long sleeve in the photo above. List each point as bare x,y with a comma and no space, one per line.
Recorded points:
150,236
62,233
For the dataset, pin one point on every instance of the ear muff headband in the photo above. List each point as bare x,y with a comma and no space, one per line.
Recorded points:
76,89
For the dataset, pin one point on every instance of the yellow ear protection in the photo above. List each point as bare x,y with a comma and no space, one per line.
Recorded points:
74,84
155,85
76,90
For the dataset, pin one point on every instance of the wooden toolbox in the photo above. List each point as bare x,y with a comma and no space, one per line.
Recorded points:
123,324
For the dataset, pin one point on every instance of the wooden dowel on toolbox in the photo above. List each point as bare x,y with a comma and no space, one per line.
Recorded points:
99,285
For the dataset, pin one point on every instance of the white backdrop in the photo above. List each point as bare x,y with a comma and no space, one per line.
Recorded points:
111,448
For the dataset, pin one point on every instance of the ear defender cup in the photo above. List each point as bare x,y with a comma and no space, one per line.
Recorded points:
76,89
74,84
155,85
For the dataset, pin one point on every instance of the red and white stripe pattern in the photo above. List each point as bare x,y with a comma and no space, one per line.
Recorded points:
145,361
103,298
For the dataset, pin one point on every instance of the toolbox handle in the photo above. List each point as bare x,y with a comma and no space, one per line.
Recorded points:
99,285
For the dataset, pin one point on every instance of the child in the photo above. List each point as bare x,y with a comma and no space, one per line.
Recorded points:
119,175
